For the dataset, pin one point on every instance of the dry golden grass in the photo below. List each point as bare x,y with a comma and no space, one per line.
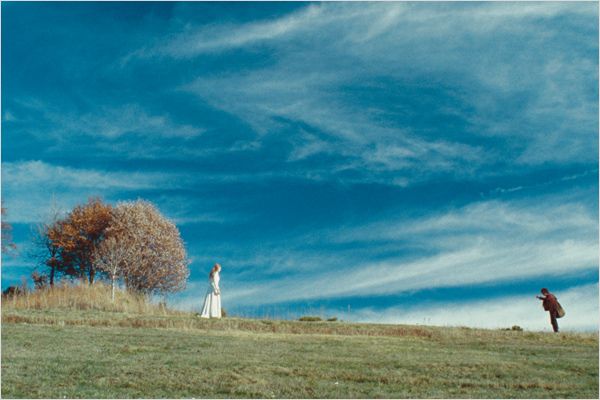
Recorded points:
83,297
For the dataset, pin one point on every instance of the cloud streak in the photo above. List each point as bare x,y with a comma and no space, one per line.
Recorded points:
36,173
221,38
369,22
309,80
108,122
30,185
581,303
485,243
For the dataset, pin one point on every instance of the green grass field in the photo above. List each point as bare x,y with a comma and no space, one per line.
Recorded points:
79,353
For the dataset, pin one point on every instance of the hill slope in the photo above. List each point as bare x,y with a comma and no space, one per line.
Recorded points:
78,353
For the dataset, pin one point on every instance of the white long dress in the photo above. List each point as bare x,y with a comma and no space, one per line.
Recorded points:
212,301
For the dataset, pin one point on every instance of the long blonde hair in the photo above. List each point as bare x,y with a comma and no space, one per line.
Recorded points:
214,269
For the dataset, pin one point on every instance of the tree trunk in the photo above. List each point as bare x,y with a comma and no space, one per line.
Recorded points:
52,276
92,274
113,288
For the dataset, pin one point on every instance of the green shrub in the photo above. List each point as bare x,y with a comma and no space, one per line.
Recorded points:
516,328
310,319
332,319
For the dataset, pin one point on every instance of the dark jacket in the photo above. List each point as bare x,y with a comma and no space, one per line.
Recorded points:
550,303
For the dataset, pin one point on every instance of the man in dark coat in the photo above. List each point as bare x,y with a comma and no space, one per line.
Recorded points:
550,304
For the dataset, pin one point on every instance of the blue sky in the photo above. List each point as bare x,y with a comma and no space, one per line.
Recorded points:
382,162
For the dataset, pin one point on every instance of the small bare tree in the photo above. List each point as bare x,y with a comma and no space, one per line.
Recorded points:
113,256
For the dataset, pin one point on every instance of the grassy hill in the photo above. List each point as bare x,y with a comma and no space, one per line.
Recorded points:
79,352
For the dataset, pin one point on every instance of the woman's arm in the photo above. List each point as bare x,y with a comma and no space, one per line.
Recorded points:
215,284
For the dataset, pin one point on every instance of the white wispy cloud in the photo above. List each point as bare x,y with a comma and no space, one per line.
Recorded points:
368,21
484,243
493,217
322,50
580,303
345,131
29,187
109,122
35,173
183,210
217,38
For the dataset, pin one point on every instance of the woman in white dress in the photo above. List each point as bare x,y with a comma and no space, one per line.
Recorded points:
212,301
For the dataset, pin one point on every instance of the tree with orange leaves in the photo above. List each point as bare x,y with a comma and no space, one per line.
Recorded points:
79,235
